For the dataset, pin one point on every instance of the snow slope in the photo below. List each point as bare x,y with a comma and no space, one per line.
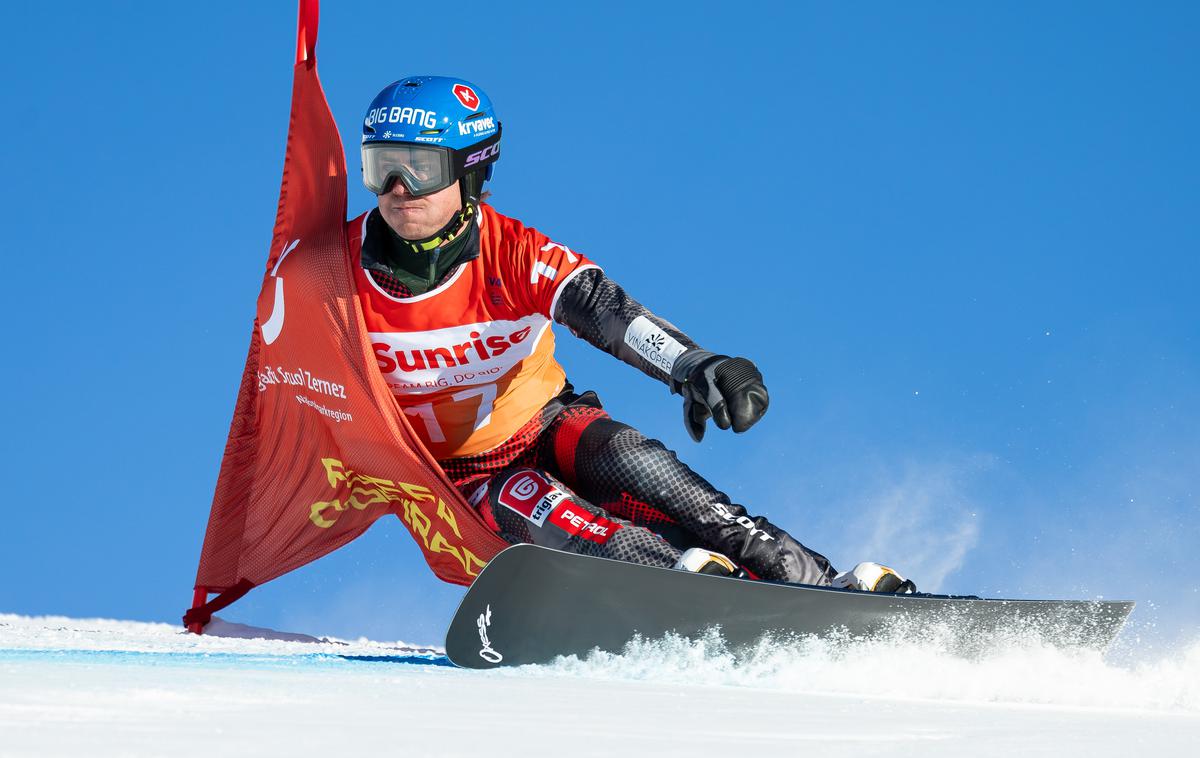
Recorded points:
99,687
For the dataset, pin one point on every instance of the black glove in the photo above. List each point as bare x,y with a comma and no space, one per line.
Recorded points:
729,390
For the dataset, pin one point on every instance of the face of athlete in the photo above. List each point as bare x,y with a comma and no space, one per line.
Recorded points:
415,218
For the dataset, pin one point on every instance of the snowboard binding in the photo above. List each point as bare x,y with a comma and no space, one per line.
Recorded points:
874,577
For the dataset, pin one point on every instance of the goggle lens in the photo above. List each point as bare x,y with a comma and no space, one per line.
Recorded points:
422,168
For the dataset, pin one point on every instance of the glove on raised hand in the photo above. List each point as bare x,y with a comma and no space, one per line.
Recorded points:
728,390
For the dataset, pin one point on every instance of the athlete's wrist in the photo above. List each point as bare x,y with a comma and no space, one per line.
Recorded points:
687,363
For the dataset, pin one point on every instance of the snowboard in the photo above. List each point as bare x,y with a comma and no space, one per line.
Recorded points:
531,604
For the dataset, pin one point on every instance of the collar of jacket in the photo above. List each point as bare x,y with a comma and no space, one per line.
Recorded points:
423,264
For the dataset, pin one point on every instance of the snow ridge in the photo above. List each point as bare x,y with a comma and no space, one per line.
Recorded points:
100,687
1019,671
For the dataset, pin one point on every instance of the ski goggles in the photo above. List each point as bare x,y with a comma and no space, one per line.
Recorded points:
424,169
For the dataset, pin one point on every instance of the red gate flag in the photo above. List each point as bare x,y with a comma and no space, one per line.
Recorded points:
318,449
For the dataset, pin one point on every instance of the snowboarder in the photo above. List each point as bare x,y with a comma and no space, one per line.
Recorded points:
459,299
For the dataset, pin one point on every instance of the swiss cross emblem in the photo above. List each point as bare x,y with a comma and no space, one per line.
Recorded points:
466,96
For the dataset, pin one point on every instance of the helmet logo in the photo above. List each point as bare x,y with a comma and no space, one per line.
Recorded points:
479,156
466,96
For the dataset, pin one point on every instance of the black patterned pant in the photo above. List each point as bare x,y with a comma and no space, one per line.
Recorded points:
576,480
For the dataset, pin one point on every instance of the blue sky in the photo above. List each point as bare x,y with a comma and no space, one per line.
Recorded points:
960,240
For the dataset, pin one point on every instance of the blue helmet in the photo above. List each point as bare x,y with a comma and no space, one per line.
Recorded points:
428,132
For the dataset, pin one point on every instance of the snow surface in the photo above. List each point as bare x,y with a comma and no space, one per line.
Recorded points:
100,687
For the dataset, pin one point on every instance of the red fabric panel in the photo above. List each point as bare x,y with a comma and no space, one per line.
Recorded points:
566,438
637,511
318,450
581,523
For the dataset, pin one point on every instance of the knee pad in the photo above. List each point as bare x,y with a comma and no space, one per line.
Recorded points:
520,500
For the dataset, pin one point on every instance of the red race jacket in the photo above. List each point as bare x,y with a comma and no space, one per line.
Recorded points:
318,448
472,360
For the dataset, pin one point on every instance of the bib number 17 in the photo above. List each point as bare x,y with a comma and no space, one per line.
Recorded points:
483,416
